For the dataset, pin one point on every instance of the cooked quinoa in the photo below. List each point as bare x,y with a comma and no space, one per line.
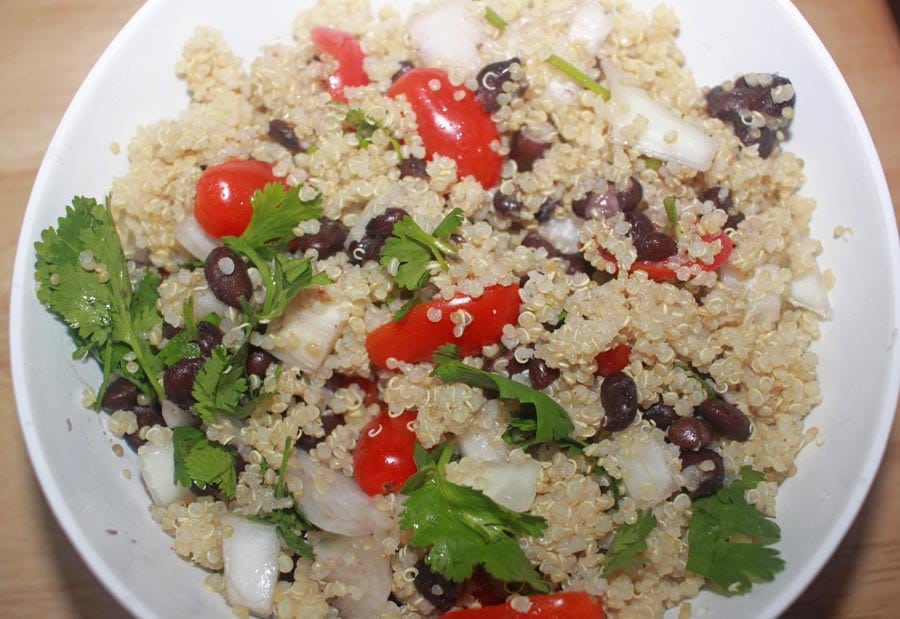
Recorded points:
737,329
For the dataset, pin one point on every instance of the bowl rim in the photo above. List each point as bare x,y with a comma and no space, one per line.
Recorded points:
121,590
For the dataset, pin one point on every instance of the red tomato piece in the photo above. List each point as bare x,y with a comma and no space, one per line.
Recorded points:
415,337
383,458
452,123
349,55
664,271
570,605
613,360
369,388
222,205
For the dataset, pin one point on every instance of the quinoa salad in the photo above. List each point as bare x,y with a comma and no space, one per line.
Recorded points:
485,311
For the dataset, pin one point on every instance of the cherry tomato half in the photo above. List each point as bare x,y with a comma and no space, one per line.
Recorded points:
415,337
613,360
452,123
569,605
222,205
383,458
346,50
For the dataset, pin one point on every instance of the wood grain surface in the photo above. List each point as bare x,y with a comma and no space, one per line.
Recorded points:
46,49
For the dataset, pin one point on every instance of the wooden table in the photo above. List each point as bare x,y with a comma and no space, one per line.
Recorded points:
47,48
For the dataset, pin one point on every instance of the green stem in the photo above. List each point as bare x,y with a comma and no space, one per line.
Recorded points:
579,76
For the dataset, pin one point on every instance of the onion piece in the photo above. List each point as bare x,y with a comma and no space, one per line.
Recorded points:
206,303
251,564
513,486
590,24
361,565
175,416
562,232
644,460
335,503
191,236
485,444
808,292
157,466
448,34
308,329
689,146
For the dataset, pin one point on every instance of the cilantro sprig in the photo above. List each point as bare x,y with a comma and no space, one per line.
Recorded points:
463,528
108,318
220,385
629,543
673,227
411,253
551,423
365,126
202,462
729,539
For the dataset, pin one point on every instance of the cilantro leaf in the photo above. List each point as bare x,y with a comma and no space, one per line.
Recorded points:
412,251
552,423
728,538
365,126
202,462
289,525
276,212
220,385
629,543
463,528
108,318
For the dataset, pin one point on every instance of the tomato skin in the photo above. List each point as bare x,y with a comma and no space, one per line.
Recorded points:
346,50
570,605
458,129
383,458
613,360
368,387
414,337
222,204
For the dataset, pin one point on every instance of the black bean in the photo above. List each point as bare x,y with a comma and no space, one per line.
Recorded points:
258,361
535,240
640,224
631,196
227,276
546,210
618,396
413,166
490,84
719,196
577,263
405,67
597,205
282,132
364,250
329,423
525,149
655,246
541,374
328,241
661,415
170,331
506,205
725,418
441,592
208,337
512,365
146,416
708,482
178,380
377,231
120,394
690,433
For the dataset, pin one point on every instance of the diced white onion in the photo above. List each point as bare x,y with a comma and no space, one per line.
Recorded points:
191,236
590,24
251,564
562,232
157,466
564,92
307,331
206,303
485,444
360,564
809,293
512,485
644,461
175,416
337,504
666,137
448,34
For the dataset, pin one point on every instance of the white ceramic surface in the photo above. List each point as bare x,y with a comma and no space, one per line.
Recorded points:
133,83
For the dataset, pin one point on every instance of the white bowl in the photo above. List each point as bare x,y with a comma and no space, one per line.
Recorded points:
134,83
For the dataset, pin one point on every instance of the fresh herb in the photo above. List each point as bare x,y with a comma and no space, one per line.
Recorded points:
579,76
615,485
652,163
410,252
365,126
82,277
282,470
290,524
710,392
629,543
220,385
551,422
464,528
494,19
673,228
276,211
201,462
728,538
